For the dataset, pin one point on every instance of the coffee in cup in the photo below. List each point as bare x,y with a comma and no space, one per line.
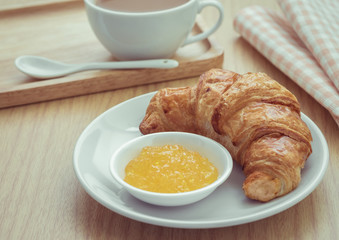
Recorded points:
139,6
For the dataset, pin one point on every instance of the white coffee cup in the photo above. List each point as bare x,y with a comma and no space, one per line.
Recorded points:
147,35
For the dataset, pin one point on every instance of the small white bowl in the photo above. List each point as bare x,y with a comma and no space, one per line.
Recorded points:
215,152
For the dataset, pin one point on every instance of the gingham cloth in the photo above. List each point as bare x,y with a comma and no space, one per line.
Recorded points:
304,44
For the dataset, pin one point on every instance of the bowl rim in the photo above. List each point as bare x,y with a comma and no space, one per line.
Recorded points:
220,180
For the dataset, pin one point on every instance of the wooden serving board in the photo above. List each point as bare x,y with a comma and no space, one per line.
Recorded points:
61,32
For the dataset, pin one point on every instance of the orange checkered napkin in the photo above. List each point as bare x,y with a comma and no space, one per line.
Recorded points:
317,24
274,37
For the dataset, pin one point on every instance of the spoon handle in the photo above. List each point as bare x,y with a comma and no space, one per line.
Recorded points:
156,63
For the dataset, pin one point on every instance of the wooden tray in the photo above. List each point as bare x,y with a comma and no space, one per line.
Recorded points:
61,32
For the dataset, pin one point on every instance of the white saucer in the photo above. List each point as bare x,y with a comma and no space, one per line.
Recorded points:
227,206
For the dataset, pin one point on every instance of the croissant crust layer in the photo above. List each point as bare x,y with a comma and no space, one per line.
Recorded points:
253,116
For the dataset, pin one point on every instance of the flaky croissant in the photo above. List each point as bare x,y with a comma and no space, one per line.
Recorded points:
252,115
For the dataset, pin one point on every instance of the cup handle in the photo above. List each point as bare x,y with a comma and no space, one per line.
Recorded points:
205,34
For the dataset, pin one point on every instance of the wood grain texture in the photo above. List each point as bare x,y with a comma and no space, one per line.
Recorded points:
9,5
41,198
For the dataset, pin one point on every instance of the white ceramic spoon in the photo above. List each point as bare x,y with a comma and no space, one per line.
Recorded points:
43,68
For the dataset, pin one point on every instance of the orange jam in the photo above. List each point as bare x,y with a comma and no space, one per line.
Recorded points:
170,169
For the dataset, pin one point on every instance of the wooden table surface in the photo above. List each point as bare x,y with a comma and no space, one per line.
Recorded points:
41,198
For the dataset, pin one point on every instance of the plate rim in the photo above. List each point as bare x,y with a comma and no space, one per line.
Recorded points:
189,224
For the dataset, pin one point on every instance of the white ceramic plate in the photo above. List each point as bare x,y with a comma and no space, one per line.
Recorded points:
227,206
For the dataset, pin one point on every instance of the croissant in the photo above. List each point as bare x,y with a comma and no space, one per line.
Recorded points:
253,116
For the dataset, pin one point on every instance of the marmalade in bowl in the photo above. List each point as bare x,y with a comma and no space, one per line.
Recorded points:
170,169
